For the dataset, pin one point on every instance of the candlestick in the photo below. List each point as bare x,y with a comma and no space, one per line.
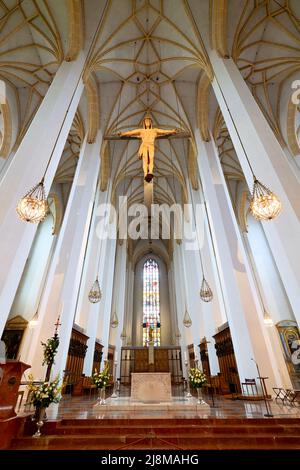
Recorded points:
188,393
114,393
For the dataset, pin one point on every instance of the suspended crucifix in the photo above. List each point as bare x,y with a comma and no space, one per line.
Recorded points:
148,134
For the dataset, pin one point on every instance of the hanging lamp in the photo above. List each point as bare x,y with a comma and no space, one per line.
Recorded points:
95,293
187,320
177,333
264,204
206,293
33,207
123,333
267,318
114,321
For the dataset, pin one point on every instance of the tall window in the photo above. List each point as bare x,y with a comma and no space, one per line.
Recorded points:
151,305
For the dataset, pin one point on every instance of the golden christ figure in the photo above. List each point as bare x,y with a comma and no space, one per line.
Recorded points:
148,134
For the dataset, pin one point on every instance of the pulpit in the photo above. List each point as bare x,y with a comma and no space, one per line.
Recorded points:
10,377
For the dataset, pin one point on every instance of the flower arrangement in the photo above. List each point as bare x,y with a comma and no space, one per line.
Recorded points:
45,394
102,379
50,350
197,378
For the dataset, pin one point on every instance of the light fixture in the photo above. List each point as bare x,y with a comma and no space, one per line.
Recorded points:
123,333
187,320
114,321
264,204
95,293
206,293
34,321
267,319
33,207
177,333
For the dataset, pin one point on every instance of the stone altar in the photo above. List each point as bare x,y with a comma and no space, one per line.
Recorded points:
151,387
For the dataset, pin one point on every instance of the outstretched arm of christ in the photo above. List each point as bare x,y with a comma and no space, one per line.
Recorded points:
135,132
167,132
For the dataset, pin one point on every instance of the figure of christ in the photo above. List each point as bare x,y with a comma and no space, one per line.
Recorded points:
148,134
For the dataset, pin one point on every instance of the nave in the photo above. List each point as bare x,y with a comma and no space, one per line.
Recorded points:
149,222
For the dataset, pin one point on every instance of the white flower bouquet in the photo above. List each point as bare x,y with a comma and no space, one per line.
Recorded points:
197,378
45,394
102,379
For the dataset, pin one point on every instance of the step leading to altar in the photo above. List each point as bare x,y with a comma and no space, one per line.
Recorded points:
174,404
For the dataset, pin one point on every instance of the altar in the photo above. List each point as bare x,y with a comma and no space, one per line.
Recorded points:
151,387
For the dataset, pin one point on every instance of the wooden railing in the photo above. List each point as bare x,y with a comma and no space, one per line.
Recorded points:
166,359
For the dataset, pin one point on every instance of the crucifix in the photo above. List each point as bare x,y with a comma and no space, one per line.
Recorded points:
57,325
148,134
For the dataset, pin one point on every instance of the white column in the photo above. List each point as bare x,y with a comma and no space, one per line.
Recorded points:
173,311
249,129
119,305
129,314
180,292
106,303
245,318
46,136
213,312
87,315
62,286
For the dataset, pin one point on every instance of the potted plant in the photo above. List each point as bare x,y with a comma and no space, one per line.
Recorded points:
197,379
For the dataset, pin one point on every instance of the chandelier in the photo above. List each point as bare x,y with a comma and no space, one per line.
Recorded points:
114,321
33,207
187,320
95,293
264,204
205,292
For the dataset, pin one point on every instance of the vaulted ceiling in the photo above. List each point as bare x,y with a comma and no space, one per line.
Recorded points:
150,57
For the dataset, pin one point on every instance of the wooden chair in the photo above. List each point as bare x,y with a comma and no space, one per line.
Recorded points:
249,387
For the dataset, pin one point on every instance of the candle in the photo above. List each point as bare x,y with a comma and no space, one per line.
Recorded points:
116,356
185,356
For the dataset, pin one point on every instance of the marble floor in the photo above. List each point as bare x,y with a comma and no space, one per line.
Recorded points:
86,408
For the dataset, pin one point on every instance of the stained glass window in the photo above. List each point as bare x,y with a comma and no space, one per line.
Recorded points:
151,306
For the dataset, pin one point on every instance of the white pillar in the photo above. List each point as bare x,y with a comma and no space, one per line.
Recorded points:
87,315
106,304
249,129
173,312
245,318
119,301
213,312
180,292
62,286
129,313
46,136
